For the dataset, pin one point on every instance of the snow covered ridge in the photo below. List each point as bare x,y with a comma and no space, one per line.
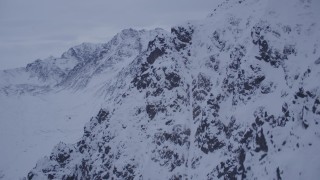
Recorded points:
234,96
77,67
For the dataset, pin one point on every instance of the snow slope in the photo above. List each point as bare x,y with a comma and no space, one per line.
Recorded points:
234,96
31,125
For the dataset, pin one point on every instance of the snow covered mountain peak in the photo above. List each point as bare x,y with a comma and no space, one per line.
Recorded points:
77,66
83,52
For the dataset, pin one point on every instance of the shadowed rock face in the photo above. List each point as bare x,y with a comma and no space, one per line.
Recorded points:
154,55
222,98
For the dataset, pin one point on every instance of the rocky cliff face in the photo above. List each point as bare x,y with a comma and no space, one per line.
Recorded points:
235,96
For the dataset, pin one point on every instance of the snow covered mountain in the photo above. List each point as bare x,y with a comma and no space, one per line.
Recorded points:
78,66
234,96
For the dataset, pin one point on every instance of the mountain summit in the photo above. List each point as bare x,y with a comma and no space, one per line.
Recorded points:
233,96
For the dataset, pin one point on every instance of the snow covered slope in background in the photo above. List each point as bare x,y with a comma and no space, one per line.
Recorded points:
31,125
234,96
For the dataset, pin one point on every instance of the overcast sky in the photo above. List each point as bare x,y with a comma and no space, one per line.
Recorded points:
31,29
